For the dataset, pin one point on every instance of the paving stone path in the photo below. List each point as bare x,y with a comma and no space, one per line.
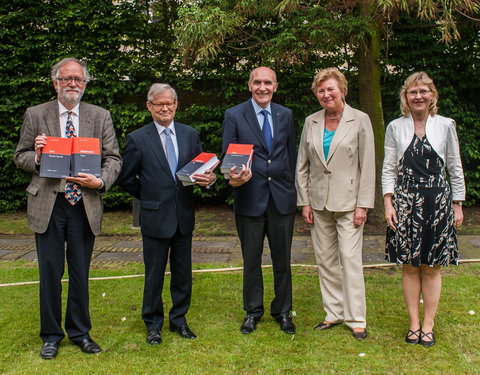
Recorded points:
221,250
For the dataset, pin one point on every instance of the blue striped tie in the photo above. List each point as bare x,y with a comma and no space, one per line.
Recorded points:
171,157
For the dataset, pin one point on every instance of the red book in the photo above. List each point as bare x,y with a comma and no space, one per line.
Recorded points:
236,156
199,164
56,155
86,156
62,157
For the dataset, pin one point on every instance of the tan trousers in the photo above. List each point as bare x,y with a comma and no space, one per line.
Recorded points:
338,250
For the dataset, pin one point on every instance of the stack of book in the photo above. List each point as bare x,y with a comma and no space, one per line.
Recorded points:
237,155
201,163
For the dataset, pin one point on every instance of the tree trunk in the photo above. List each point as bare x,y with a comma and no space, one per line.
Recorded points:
369,75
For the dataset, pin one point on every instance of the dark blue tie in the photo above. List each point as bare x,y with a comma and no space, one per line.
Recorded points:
171,157
266,130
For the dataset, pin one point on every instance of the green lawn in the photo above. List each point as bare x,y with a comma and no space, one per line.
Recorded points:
216,315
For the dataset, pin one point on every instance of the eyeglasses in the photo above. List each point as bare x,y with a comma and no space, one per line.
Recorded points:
78,81
421,92
169,105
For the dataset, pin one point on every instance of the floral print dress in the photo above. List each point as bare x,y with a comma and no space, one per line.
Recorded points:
422,200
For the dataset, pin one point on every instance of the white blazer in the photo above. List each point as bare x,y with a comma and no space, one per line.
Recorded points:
345,180
441,134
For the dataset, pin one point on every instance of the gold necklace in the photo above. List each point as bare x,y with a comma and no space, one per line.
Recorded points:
335,117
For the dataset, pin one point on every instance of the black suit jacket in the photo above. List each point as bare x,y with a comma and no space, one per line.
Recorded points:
272,172
164,202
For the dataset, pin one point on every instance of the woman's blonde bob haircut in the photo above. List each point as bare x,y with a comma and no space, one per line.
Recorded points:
327,73
414,80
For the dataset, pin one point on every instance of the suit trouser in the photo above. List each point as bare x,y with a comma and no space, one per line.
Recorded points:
279,230
155,256
68,224
338,250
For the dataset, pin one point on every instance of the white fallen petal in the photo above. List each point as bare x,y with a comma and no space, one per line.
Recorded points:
361,355
294,313
104,294
421,301
471,312
123,319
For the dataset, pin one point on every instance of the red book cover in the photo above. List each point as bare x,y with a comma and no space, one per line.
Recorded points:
199,164
56,155
236,156
86,156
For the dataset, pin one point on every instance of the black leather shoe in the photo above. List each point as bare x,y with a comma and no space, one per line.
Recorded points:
88,346
249,324
427,343
153,337
325,325
184,331
286,324
49,350
360,335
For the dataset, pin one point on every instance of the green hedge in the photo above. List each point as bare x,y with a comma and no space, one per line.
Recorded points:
126,52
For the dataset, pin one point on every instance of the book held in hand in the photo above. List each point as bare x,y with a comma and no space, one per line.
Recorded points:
236,156
86,156
56,155
202,162
62,157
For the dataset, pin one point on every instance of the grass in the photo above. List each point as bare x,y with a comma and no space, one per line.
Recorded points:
216,314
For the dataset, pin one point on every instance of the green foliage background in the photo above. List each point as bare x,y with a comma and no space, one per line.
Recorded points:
130,45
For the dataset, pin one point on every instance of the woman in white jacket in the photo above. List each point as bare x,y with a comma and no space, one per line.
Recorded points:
422,208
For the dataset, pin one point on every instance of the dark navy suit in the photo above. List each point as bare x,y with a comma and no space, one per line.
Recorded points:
167,218
266,204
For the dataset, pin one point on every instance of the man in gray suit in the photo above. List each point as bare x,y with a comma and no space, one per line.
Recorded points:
66,211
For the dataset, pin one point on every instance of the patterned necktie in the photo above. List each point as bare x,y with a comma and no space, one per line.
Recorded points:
266,130
73,192
171,157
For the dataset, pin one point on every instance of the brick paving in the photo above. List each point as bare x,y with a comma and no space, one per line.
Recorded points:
221,250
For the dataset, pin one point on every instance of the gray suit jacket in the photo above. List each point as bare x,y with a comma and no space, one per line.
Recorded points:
95,122
345,180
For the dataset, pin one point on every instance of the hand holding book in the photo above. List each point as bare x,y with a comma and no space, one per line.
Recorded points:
40,142
86,180
204,179
240,178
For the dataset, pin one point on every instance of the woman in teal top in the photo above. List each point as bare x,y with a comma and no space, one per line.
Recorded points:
335,186
327,140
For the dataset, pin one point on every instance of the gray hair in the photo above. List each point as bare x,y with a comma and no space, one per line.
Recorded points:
158,88
58,65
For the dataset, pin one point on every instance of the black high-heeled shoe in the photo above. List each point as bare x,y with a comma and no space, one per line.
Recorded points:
426,343
413,337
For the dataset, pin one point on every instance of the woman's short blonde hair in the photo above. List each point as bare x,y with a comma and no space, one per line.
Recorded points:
417,79
327,73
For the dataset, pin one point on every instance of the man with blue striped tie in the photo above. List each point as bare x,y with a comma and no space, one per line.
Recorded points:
153,154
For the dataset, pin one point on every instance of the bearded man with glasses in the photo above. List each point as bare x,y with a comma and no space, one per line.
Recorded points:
66,211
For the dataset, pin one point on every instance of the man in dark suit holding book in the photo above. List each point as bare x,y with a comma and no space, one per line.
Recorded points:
153,155
66,212
265,196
